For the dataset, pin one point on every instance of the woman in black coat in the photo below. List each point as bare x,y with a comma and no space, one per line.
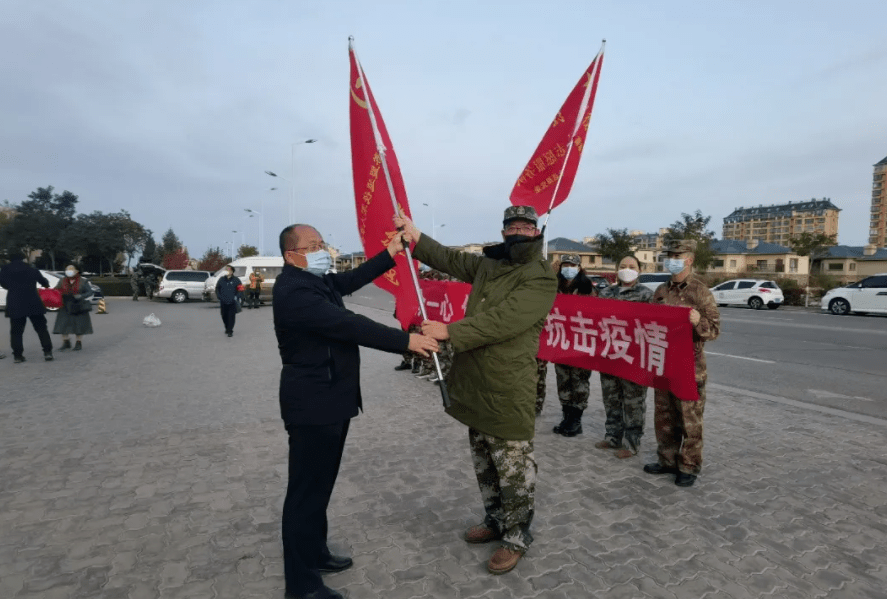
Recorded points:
73,317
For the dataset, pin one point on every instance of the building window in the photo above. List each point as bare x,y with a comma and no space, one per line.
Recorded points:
732,263
718,263
835,266
853,266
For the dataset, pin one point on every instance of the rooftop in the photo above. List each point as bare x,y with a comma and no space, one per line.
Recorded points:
857,252
882,163
783,209
562,244
732,246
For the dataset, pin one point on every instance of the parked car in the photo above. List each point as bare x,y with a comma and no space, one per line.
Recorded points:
652,280
599,282
868,295
50,276
269,266
180,285
754,293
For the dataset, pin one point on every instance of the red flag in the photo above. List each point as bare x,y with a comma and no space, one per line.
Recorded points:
375,208
554,164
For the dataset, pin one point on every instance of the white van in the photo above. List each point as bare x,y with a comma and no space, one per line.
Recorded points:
269,266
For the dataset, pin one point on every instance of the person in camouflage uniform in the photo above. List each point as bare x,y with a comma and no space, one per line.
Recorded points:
678,423
625,402
493,376
134,284
572,382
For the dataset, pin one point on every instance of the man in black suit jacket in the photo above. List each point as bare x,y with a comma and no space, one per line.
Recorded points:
318,340
23,302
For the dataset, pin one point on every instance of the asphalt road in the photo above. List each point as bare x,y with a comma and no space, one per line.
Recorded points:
832,361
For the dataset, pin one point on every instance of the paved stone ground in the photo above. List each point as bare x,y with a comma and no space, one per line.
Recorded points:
152,464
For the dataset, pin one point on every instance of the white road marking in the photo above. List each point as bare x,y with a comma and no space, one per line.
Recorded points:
805,326
711,353
820,394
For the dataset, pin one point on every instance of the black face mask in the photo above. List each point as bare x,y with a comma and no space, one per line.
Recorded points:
502,251
510,240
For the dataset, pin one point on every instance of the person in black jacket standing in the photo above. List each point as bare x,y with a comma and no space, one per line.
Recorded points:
318,339
23,302
229,290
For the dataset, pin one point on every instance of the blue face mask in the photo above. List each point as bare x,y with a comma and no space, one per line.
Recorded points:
673,265
570,272
318,262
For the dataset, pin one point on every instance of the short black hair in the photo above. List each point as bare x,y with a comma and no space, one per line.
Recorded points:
630,255
15,255
289,234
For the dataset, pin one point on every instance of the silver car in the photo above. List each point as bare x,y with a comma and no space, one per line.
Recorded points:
180,285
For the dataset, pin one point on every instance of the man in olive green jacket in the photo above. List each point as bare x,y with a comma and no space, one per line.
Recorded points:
492,381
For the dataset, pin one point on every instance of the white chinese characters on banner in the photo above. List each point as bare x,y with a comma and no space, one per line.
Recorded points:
616,341
445,307
652,337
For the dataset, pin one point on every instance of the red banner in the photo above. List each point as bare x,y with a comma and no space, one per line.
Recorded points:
553,166
649,344
375,209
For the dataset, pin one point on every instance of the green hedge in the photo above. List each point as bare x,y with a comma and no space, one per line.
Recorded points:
113,286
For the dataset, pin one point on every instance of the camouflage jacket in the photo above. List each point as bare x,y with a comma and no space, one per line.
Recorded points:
693,293
635,293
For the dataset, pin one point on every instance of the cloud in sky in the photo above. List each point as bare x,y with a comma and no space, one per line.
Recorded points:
173,111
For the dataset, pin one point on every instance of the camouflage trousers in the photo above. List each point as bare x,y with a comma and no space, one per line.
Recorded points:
506,474
541,373
625,404
678,426
572,386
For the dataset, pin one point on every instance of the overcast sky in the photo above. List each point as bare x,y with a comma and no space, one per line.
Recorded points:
174,110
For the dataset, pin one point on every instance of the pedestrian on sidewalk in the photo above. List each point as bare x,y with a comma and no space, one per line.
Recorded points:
318,340
678,422
572,382
229,290
492,383
625,402
73,317
24,303
255,289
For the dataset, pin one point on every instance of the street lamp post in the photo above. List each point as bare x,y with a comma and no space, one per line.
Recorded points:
261,226
291,181
234,242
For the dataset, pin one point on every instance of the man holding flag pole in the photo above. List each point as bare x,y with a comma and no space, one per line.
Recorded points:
492,381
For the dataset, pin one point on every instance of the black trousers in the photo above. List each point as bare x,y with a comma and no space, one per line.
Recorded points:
17,329
229,311
315,453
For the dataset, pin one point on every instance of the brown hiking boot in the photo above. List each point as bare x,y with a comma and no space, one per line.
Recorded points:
607,444
481,534
504,560
624,453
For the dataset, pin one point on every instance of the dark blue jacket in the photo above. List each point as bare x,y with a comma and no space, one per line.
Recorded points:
318,339
21,280
226,289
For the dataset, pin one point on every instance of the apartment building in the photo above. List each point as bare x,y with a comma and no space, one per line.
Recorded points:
779,223
878,224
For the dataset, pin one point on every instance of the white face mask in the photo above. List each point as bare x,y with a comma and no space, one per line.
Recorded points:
70,273
674,265
570,272
318,262
627,275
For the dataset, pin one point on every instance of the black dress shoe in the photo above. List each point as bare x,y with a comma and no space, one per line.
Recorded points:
321,593
334,563
403,366
657,468
685,480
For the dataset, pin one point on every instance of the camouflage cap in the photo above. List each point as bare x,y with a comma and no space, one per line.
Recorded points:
571,259
681,246
527,213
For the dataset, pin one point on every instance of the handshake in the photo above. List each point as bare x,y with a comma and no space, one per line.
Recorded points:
426,342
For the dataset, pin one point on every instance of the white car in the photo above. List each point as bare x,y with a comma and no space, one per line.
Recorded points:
652,280
754,293
53,281
868,295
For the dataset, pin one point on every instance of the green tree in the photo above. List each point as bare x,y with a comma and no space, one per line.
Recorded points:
41,220
98,237
245,251
812,244
694,226
170,242
134,235
614,244
149,252
213,259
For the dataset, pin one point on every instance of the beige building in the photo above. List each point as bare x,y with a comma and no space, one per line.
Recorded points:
851,263
878,224
779,223
739,258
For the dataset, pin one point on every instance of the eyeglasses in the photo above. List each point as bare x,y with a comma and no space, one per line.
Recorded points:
314,247
526,229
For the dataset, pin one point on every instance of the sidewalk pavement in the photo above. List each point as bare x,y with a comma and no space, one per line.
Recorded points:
153,464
